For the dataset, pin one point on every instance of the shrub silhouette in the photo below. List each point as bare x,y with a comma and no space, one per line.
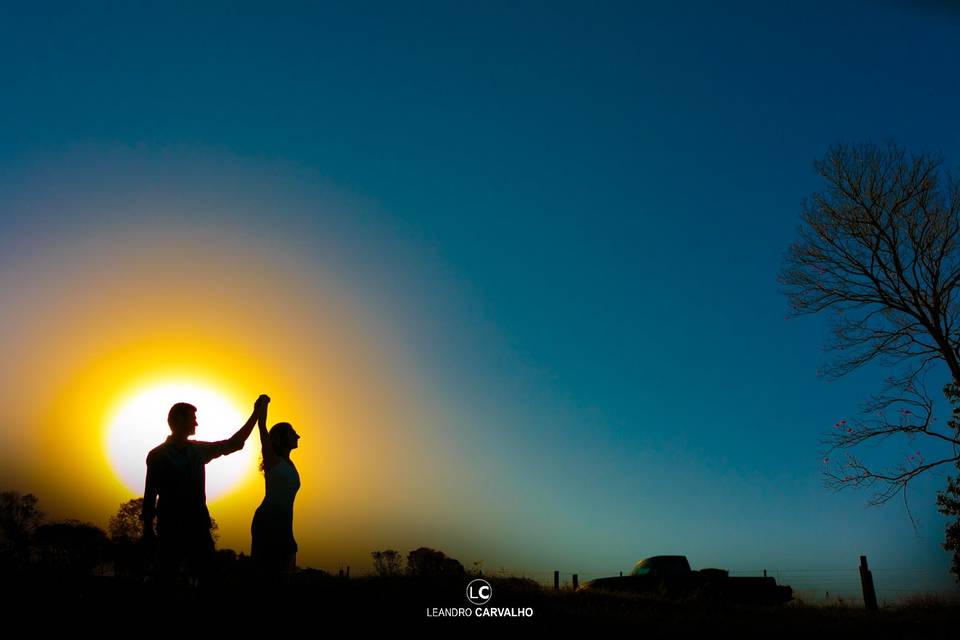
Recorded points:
126,523
71,546
430,562
19,519
386,563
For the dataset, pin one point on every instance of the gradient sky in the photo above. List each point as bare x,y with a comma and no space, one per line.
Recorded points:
510,268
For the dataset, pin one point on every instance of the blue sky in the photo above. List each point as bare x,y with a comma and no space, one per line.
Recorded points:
579,211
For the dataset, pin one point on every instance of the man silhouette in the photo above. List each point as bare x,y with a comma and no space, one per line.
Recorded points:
175,491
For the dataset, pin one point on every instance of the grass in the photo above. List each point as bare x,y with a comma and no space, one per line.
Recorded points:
318,598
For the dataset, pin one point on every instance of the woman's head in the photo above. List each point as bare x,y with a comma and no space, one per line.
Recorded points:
283,438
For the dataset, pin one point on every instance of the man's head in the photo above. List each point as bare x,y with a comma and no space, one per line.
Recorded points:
182,419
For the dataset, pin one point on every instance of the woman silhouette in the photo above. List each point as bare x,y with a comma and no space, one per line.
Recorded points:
274,551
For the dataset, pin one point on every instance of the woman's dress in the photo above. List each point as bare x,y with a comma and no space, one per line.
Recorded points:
274,548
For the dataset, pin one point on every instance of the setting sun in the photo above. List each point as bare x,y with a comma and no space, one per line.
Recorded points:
139,423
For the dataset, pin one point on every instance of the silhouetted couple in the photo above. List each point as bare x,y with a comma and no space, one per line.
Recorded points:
175,493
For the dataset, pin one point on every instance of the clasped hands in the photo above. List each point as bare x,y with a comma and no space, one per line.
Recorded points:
260,406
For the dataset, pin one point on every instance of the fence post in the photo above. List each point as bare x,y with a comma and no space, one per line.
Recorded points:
576,582
348,572
556,580
866,584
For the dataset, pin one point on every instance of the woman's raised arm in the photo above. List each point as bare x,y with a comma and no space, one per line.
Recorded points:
266,448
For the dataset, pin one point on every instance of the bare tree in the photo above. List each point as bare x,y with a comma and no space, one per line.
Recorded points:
879,250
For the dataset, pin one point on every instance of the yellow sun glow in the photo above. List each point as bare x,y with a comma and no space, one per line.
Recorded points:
139,423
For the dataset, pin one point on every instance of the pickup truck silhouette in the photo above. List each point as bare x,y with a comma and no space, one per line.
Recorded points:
672,577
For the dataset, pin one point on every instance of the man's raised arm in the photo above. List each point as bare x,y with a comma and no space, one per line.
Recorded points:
235,442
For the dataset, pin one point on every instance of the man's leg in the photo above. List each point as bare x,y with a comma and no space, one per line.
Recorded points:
200,556
170,553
